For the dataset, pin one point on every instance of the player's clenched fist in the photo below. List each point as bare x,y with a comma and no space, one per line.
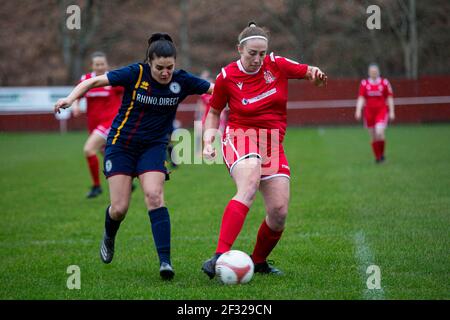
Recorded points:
63,103
316,76
209,152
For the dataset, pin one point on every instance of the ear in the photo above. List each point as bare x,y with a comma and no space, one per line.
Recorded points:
240,49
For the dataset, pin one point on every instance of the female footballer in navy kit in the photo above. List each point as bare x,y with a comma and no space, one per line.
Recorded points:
136,144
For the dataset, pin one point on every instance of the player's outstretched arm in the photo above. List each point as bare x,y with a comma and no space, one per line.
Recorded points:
316,76
211,126
80,90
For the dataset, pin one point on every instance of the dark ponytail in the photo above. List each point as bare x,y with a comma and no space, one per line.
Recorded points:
160,45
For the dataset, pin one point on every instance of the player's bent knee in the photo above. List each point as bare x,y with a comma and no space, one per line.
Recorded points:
88,151
278,215
248,191
118,211
154,199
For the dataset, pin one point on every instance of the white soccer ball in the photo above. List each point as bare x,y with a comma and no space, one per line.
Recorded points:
234,267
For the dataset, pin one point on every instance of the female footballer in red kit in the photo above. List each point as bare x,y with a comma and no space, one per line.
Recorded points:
102,106
255,87
374,92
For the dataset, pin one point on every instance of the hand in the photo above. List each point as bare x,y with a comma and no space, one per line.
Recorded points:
358,115
391,116
63,103
317,77
209,152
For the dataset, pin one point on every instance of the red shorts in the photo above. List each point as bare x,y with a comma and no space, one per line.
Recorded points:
100,127
375,117
240,144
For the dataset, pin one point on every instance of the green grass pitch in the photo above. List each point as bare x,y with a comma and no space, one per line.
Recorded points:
346,213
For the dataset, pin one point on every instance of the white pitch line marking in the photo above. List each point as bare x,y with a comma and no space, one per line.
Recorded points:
365,258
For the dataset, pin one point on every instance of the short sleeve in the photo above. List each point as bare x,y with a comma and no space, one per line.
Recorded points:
388,88
196,85
219,97
125,76
362,89
290,68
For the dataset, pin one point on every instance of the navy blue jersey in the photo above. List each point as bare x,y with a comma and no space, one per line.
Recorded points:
148,107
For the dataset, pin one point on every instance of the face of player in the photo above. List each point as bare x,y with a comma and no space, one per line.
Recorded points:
374,72
162,69
99,65
252,54
206,75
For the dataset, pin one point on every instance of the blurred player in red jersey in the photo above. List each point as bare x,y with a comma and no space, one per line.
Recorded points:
102,106
201,111
255,87
203,106
374,92
203,101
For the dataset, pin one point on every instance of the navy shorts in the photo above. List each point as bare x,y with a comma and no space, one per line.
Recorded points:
134,161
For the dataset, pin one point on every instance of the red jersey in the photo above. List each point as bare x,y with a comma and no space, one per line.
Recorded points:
102,103
257,100
375,92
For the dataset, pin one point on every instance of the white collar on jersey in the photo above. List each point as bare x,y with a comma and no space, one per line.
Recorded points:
376,81
241,68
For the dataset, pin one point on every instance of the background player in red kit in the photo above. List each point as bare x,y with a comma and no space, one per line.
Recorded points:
102,106
201,110
373,94
255,87
203,106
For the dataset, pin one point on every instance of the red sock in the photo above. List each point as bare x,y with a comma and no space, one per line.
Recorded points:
232,222
266,240
376,149
93,169
382,143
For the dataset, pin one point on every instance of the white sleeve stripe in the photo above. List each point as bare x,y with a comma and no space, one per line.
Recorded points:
224,74
291,61
272,57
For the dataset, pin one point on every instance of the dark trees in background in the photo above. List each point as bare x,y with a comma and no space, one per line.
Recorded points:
37,48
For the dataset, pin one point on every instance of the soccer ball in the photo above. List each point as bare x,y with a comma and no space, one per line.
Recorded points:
234,267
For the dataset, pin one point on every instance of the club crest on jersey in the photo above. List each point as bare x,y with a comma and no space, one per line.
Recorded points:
144,85
175,87
268,76
108,165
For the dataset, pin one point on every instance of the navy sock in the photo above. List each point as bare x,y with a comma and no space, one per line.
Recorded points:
160,222
111,226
